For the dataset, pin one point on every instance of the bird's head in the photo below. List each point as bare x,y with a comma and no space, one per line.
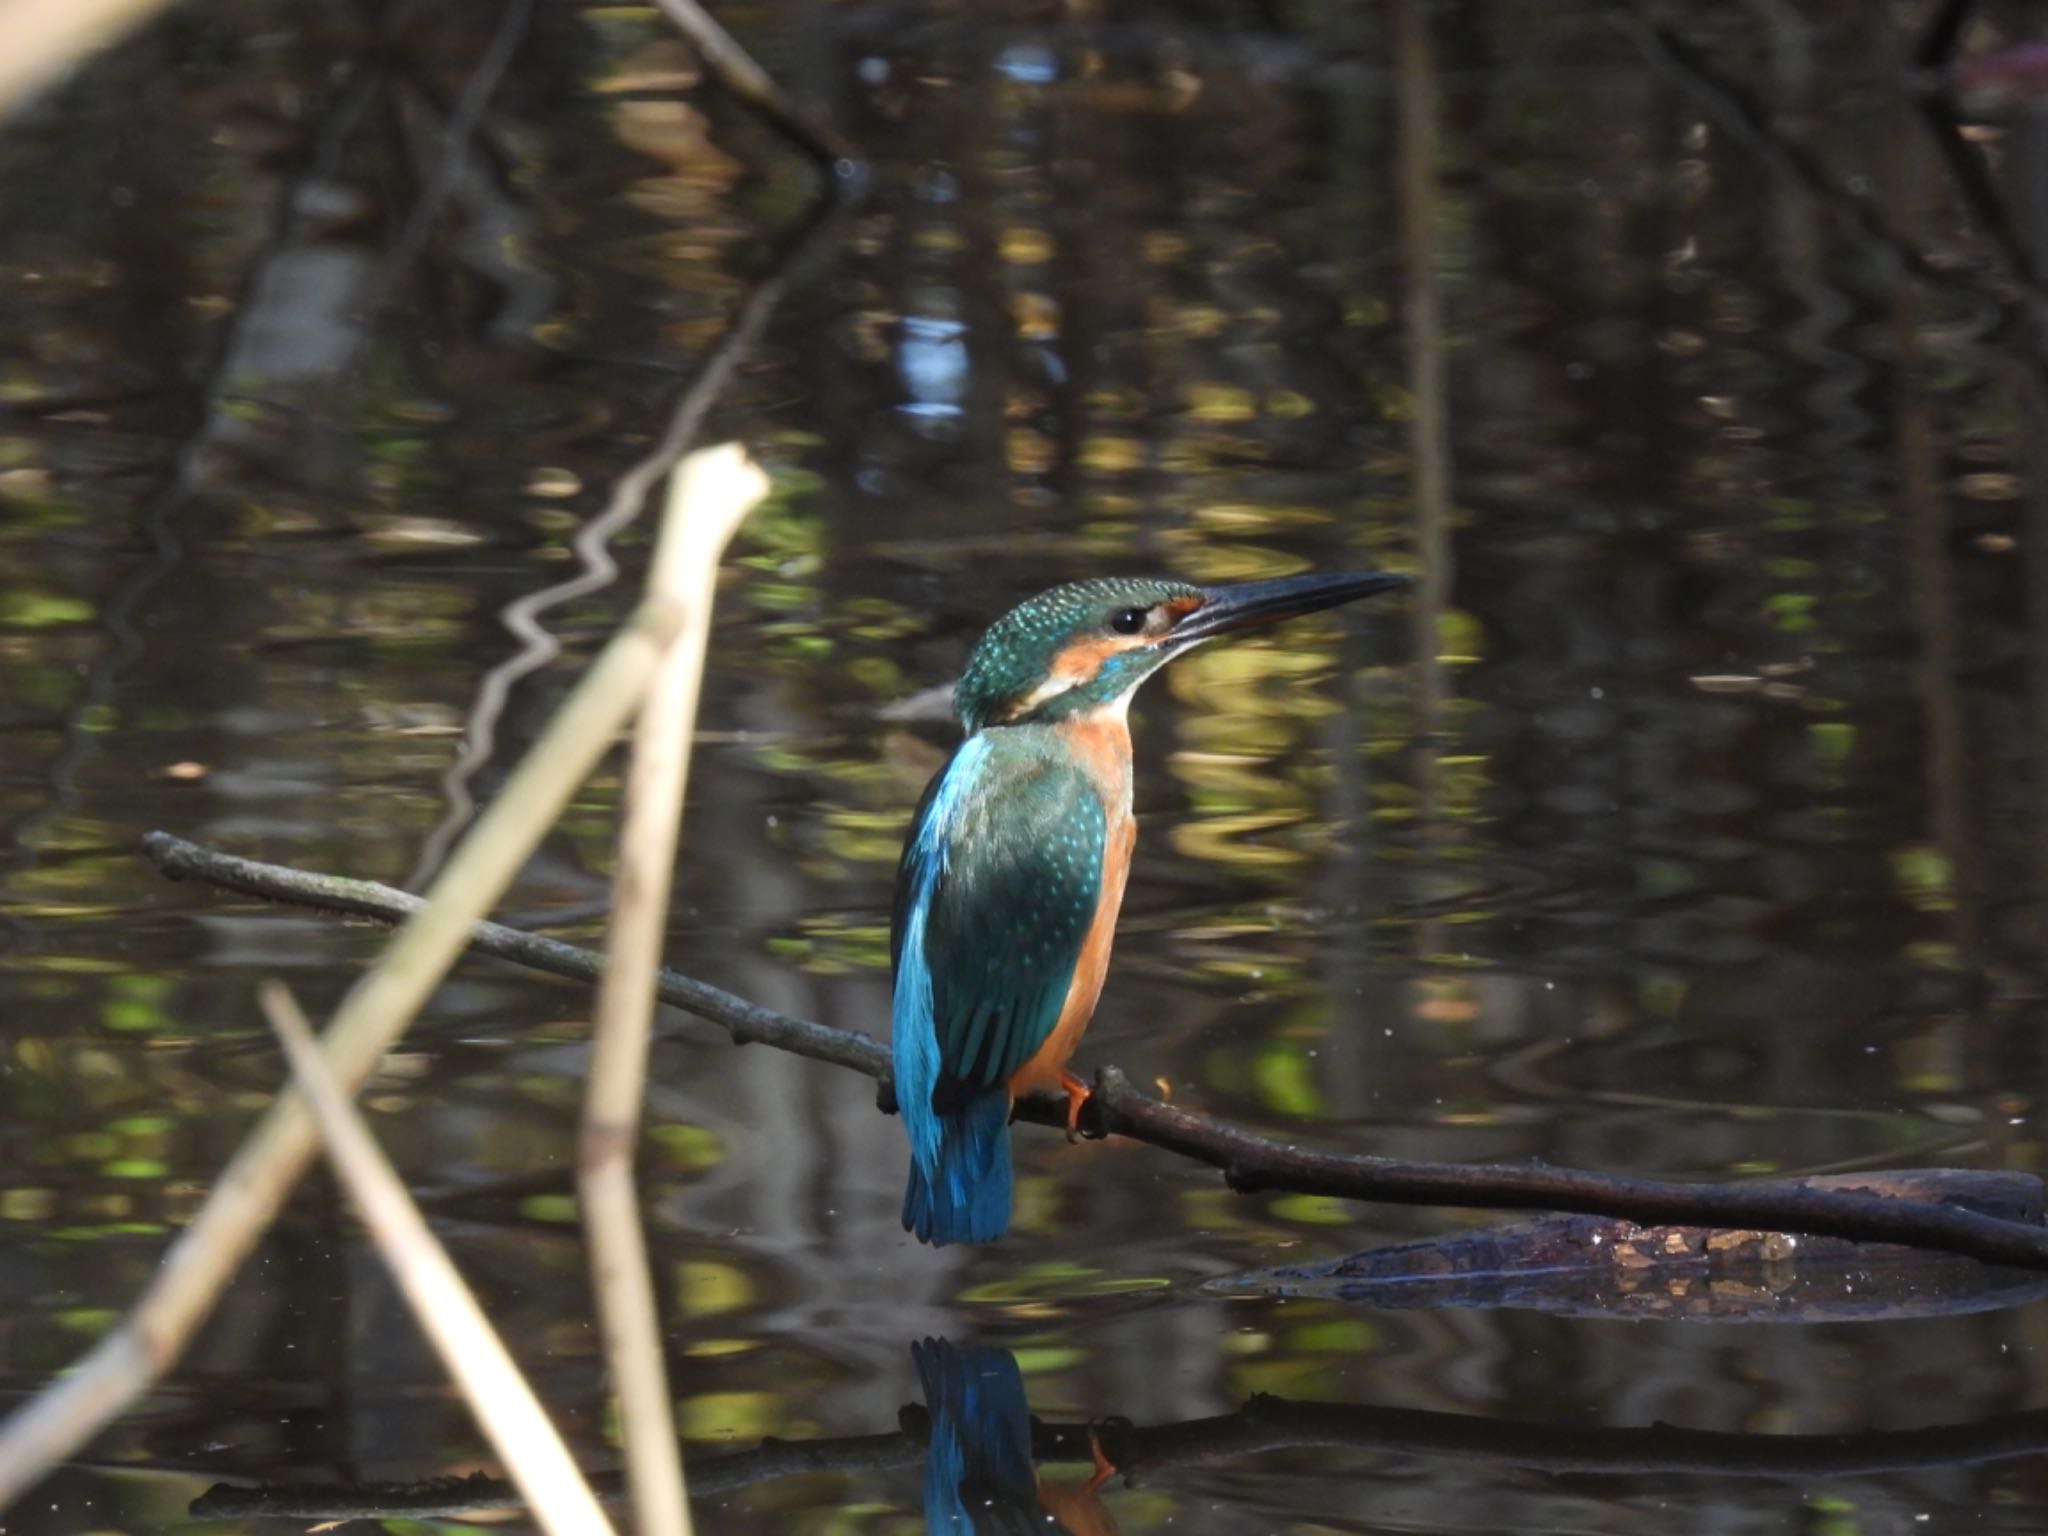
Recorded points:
1088,645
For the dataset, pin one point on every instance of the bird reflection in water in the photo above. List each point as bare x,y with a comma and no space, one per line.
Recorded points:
978,1474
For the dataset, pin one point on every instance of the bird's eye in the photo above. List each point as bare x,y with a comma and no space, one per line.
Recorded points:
1127,621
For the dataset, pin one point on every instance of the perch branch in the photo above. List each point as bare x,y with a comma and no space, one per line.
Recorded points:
1249,1162
747,1023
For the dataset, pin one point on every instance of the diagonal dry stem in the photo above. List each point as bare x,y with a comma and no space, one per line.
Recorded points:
497,1393
40,40
706,503
371,1017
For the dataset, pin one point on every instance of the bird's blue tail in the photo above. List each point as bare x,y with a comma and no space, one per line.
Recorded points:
981,1434
964,1197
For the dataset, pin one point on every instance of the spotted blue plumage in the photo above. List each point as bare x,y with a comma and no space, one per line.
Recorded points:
998,887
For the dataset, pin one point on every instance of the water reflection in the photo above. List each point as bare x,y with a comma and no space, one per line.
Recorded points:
993,1448
1733,860
978,1471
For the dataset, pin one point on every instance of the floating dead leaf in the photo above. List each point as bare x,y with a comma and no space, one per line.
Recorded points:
413,719
1990,485
423,409
420,532
553,483
1593,1266
1725,682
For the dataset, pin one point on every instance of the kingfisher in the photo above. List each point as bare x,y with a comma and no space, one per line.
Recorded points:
979,1473
1014,867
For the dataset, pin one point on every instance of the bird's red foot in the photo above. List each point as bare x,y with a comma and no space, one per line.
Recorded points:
1105,1469
1078,1093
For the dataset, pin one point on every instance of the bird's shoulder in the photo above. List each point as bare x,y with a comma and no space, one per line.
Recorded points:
1009,786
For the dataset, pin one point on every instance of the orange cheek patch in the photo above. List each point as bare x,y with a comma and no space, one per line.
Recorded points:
1082,659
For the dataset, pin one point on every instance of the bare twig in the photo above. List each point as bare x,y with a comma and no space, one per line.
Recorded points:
1749,122
372,1016
747,1023
1251,1162
526,1442
440,182
706,503
739,74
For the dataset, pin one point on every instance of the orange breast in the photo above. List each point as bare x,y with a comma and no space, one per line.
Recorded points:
1103,746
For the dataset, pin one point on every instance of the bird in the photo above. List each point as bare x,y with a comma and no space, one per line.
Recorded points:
1014,866
979,1476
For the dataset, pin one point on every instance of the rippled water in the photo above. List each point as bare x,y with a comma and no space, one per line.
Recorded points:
1698,833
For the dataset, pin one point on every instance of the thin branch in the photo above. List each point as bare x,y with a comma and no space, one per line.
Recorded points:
1749,121
1250,1162
747,1023
440,182
707,501
447,1311
739,74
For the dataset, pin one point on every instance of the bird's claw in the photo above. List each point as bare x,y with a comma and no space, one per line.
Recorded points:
1078,1093
1105,1469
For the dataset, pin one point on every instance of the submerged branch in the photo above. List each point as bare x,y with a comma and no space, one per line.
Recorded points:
1249,1161
1263,1425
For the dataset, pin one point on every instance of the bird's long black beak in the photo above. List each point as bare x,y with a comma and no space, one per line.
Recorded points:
1252,603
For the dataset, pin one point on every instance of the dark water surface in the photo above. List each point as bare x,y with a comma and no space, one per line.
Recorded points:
1703,837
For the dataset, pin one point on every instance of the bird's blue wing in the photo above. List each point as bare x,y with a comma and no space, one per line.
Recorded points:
999,885
978,1471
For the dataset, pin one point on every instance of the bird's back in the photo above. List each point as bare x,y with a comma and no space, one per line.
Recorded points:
999,910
